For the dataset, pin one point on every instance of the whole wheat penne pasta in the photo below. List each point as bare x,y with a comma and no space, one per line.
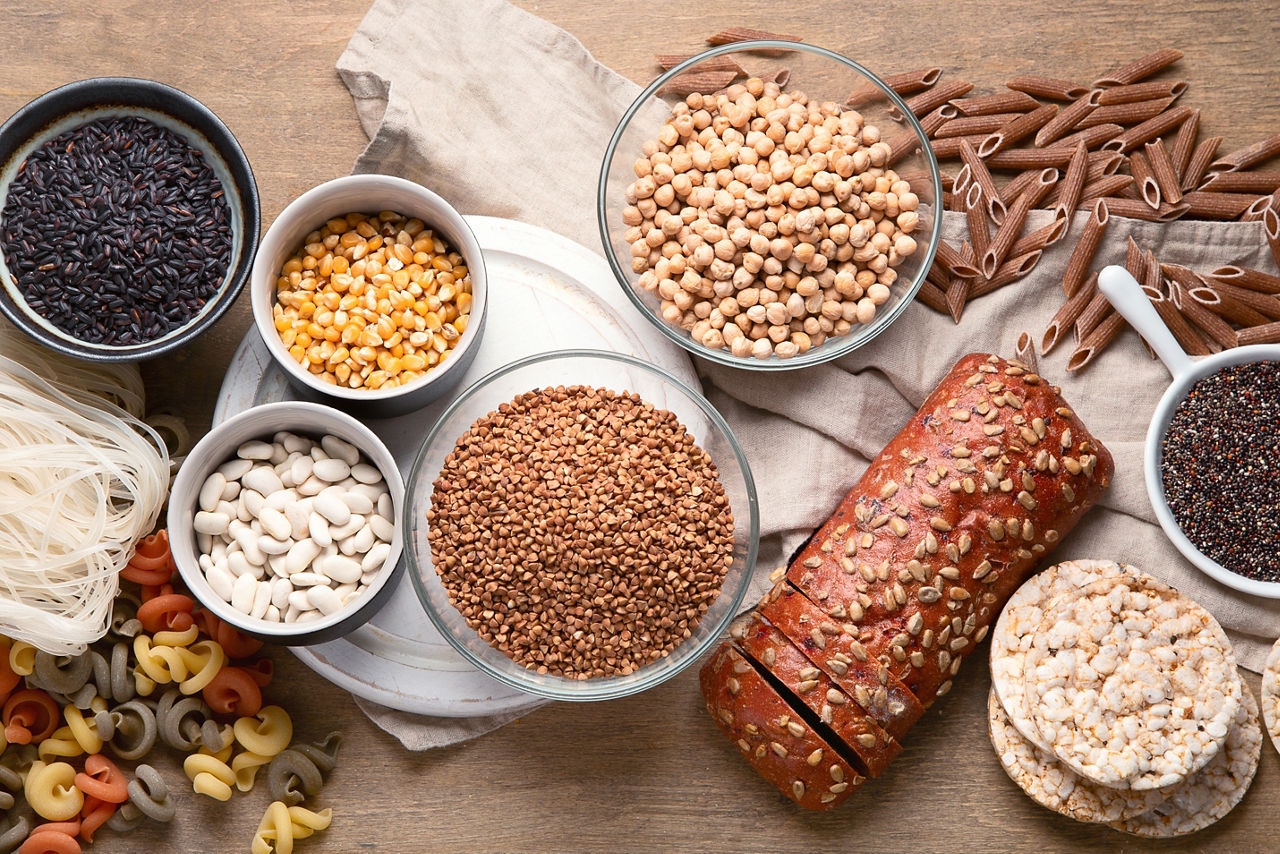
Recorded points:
962,181
1150,129
957,294
1082,256
1191,295
1203,153
1242,182
1097,309
1136,209
1126,114
1067,314
1243,277
1041,238
1266,334
1030,158
1009,231
1230,308
935,97
724,62
1209,323
1162,170
1049,88
1243,158
1134,261
970,125
1184,142
743,34
1268,305
1024,350
1000,102
939,276
1150,90
933,121
949,257
1063,122
1017,129
1010,271
945,149
697,81
782,76
1153,278
1271,227
1092,346
903,82
1091,137
976,217
1072,184
1255,211
902,145
996,208
1096,186
1144,180
932,296
1016,185
1140,69
1193,343
1217,205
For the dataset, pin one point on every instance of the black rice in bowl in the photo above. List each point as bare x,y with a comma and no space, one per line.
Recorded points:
117,231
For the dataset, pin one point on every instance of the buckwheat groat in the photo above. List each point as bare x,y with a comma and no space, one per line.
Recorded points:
1131,684
1052,785
1215,790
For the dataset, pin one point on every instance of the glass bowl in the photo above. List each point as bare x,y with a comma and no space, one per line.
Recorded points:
619,373
824,76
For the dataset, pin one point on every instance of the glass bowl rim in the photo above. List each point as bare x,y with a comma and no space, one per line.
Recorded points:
773,363
559,687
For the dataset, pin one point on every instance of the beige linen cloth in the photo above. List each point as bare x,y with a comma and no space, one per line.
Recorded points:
509,116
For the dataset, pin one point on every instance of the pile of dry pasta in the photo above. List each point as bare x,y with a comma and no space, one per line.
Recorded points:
82,479
165,673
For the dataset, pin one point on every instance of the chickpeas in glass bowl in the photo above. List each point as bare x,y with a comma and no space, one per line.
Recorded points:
769,205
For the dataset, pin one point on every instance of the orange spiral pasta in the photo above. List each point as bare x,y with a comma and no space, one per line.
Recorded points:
234,691
262,671
8,678
95,814
31,715
101,779
52,838
166,612
152,562
235,643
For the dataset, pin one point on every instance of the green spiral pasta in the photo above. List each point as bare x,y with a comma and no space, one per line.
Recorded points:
298,772
134,732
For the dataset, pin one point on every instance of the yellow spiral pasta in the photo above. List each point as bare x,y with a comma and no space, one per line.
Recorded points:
85,730
202,660
22,658
182,638
51,791
62,744
263,737
282,824
209,775
160,664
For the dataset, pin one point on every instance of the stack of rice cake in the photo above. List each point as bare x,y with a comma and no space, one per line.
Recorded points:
1115,699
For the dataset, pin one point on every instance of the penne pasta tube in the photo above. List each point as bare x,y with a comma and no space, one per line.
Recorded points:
952,263
933,297
1127,113
1266,334
1242,182
1072,184
1016,185
697,81
935,97
1030,158
1162,170
1255,211
782,76
945,149
1184,142
1098,308
1135,209
1092,346
976,217
1017,129
1217,205
1104,187
962,180
1091,137
742,34
1199,162
1193,343
1271,227
1245,157
1144,180
1000,102
1210,324
904,83
1049,88
1024,351
1067,315
1082,256
902,145
1150,90
1141,68
995,205
957,294
1235,311
1010,271
1041,238
1242,277
1009,231
1150,129
1135,262
1069,118
724,62
1268,305
970,125
934,120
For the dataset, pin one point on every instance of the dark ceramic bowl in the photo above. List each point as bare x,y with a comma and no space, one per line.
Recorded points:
74,104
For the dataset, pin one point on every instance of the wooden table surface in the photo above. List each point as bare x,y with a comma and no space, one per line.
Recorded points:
649,772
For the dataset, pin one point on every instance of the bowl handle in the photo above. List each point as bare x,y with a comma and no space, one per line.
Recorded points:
1127,297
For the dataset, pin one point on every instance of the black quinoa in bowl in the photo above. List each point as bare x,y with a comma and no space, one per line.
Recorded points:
129,219
1220,466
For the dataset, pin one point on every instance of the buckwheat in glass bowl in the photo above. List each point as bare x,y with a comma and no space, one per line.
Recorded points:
581,525
769,205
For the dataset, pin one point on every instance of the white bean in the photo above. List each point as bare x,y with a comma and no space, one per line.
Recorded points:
371,490
345,590
364,537
205,562
331,470
261,600
219,552
385,505
348,546
235,469
278,455
242,593
308,579
239,564
301,469
308,616
211,492
325,599
255,450
272,615
263,480
253,501
275,563
318,454
204,542
345,451
375,558
358,502
241,509
293,444
299,515
382,527
221,581
231,491
291,614
298,601
272,546
366,473
282,499
206,522
275,523
318,527
333,508
280,590
341,569
302,555
311,486
341,532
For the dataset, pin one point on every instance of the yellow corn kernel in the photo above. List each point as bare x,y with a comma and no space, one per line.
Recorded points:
365,229
341,354
341,264
461,323
433,321
306,308
413,363
342,373
314,356
350,239
324,317
333,334
315,330
350,334
375,380
287,337
463,302
281,322
303,340
293,265
298,353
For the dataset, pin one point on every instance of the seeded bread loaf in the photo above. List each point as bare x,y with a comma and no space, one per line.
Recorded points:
871,749
773,737
905,578
921,555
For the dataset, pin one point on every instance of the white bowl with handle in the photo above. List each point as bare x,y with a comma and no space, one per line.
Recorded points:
1128,298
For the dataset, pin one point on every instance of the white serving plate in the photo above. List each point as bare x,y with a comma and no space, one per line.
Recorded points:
545,293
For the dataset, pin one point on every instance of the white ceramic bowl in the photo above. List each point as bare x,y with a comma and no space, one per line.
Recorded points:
262,422
367,194
1127,296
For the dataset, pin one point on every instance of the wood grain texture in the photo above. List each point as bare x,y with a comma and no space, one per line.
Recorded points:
649,772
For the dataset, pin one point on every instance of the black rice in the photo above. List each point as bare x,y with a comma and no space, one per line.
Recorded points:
117,231
1221,468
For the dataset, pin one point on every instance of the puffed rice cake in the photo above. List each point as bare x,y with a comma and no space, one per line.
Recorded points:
1271,695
